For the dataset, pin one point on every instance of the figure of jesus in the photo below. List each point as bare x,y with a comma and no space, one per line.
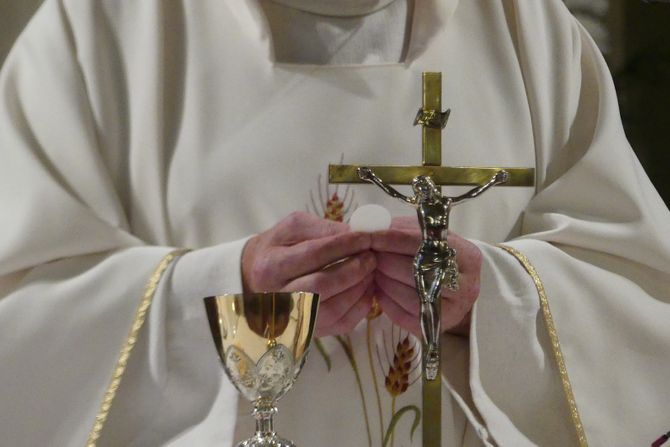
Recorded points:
435,261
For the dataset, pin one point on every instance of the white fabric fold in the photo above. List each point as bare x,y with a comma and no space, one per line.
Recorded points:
514,379
374,38
596,233
337,8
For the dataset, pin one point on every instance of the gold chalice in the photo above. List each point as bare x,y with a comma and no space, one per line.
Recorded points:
262,340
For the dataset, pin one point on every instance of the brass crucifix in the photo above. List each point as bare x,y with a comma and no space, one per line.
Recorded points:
429,175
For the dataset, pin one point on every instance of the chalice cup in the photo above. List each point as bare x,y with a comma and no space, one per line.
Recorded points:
262,340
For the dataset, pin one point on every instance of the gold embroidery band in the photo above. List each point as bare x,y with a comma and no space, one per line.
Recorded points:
124,355
555,344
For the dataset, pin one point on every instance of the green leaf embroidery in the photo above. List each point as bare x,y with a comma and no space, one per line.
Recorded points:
396,417
345,342
324,354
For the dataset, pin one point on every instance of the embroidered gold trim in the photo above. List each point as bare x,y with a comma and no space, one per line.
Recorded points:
555,344
128,345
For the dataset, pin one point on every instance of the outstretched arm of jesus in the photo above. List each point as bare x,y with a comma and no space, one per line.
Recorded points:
499,178
368,175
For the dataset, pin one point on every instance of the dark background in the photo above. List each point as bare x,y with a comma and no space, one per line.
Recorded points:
641,70
633,34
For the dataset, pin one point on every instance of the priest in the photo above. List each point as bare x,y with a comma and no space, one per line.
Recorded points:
130,130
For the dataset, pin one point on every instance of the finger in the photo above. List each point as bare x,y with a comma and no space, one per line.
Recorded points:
467,253
405,223
402,294
398,267
406,297
396,241
405,239
300,226
398,315
453,308
313,255
468,288
349,321
334,308
453,312
462,328
336,278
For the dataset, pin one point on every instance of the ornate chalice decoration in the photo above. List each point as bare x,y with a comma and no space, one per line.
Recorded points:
262,340
435,261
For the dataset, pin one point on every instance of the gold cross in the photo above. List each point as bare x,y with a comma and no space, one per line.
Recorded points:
432,121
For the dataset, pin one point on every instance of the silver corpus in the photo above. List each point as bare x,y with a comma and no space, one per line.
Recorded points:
435,261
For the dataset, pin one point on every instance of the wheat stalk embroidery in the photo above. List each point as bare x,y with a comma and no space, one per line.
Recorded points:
399,374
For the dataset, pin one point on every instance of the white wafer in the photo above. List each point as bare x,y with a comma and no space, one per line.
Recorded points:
370,218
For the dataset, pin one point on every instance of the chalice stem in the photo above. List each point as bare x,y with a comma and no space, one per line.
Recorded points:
264,414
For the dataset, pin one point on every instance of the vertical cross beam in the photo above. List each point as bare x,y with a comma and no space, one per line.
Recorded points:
433,121
431,104
431,411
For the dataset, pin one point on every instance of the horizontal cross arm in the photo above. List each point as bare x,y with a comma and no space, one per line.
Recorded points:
441,175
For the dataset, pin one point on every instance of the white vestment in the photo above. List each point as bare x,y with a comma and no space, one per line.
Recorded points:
128,128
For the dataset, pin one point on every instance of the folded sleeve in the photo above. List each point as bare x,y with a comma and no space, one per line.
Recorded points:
72,272
593,260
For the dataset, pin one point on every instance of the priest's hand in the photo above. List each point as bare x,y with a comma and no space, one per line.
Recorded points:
395,287
305,253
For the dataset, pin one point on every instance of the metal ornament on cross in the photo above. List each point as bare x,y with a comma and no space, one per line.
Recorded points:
432,120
